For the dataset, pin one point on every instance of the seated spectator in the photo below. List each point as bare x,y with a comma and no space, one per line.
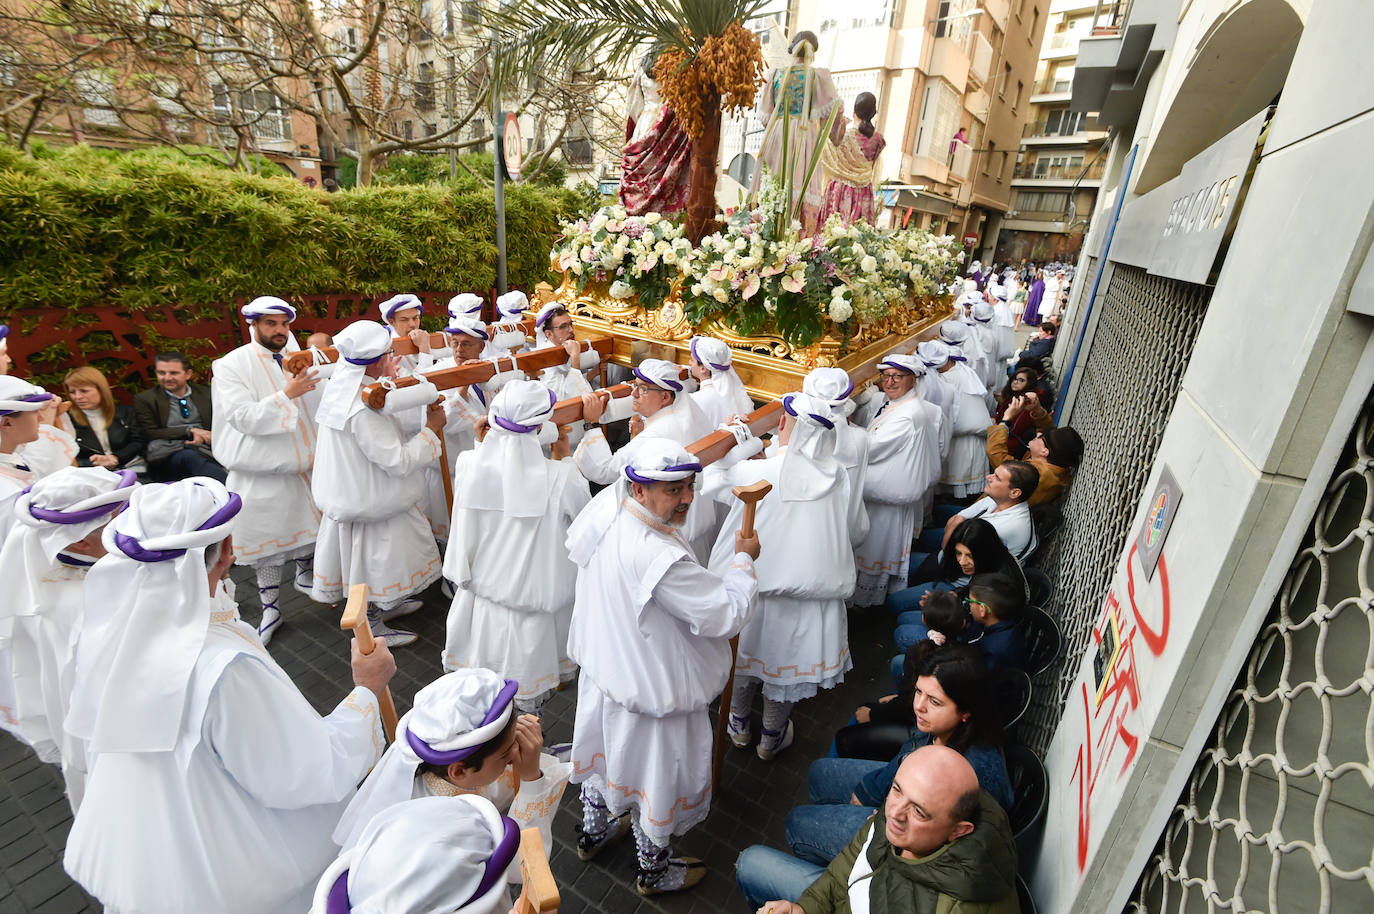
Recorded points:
319,340
996,605
1021,429
1040,345
1003,505
1054,452
953,708
176,418
973,548
944,620
938,843
107,435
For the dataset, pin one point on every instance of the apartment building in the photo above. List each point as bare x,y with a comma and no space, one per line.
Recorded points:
954,81
1060,164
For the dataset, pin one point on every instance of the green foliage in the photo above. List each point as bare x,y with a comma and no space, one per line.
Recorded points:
347,171
83,227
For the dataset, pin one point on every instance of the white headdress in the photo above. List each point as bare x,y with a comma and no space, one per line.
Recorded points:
541,324
911,364
360,344
452,718
147,610
49,516
834,386
465,304
468,326
403,302
715,355
809,468
267,304
509,472
667,376
933,353
424,856
953,333
982,312
18,396
511,306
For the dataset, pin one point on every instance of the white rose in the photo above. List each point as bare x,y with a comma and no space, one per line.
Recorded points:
868,264
721,296
620,290
652,218
840,310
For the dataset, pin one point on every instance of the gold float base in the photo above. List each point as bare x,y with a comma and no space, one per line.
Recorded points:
768,365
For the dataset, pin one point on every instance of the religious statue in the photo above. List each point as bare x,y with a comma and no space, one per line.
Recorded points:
807,95
657,159
851,165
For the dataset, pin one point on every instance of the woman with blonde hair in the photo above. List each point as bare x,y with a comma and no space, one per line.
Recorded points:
108,433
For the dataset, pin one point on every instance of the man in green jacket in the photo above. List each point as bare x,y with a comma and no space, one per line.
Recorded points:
940,845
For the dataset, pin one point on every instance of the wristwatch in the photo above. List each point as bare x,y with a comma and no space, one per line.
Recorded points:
588,426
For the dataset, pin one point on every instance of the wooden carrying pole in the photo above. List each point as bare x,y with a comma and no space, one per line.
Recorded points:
297,362
751,495
374,395
355,620
538,891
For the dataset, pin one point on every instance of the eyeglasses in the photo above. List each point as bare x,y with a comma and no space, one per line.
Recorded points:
185,407
559,328
892,376
639,390
970,602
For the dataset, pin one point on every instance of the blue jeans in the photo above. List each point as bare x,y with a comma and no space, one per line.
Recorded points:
933,537
819,832
186,463
765,875
905,602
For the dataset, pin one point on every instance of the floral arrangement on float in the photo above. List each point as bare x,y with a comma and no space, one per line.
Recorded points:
759,274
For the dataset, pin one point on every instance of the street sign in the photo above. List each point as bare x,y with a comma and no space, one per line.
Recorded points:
970,239
512,147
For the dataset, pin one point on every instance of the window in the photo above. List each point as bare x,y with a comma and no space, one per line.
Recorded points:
448,19
97,89
1006,81
1035,201
1016,102
987,159
1035,24
258,110
408,130
424,87
1002,166
472,13
952,20
1063,122
431,129
940,109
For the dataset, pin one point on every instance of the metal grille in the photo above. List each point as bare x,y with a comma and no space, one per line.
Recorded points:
1131,376
1278,814
1076,309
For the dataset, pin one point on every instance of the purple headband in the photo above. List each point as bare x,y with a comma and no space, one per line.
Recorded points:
675,468
516,427
693,347
372,361
405,305
896,366
495,868
134,550
4,331
428,753
787,405
28,398
286,309
470,331
52,516
659,384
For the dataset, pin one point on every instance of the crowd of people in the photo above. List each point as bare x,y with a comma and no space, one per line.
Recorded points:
201,778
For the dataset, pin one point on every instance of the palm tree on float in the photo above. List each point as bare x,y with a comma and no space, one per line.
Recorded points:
709,63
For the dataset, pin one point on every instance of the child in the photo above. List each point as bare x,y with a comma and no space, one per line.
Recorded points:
946,622
997,604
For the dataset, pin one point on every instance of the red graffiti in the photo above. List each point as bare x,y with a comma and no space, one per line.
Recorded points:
1154,640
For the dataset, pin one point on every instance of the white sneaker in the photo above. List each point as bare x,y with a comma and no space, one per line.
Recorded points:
403,608
267,627
737,728
771,742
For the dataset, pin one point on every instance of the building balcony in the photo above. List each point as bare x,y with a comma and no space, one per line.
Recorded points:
1063,130
1060,45
949,62
1115,63
1054,89
1034,173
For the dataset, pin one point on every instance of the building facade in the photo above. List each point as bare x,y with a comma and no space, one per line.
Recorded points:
1061,161
1208,737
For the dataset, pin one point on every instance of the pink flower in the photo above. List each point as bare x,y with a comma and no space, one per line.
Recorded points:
716,273
751,286
634,229
793,283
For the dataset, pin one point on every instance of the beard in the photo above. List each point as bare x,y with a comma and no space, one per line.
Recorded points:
273,344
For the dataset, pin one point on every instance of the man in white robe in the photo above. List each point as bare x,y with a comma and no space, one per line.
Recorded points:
651,632
53,542
966,467
433,854
468,307
982,330
368,484
401,314
513,581
834,386
1005,323
463,736
959,335
20,405
265,437
508,333
903,465
797,640
213,783
722,393
553,326
465,405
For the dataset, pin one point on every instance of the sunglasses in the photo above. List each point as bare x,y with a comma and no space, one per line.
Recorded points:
185,407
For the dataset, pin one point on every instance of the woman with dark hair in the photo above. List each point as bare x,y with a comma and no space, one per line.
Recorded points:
953,708
852,165
973,548
1021,430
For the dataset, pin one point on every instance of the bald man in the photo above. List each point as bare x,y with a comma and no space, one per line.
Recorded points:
938,843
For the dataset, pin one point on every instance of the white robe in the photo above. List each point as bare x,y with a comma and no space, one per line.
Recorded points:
567,382
966,468
54,449
851,450
651,631
531,804
434,504
717,404
797,640
42,652
513,586
368,484
12,481
903,465
236,818
1005,323
994,366
266,441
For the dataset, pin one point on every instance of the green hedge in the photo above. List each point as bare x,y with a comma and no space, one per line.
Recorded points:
80,226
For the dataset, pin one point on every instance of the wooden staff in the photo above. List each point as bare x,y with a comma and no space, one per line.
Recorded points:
538,891
297,362
374,395
445,469
751,495
355,620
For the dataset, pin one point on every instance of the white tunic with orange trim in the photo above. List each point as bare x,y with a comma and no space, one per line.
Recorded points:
267,442
651,630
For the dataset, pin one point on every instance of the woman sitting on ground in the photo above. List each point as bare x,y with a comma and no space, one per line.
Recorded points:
108,435
953,708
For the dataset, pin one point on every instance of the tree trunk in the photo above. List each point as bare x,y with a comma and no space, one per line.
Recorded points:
701,188
364,177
